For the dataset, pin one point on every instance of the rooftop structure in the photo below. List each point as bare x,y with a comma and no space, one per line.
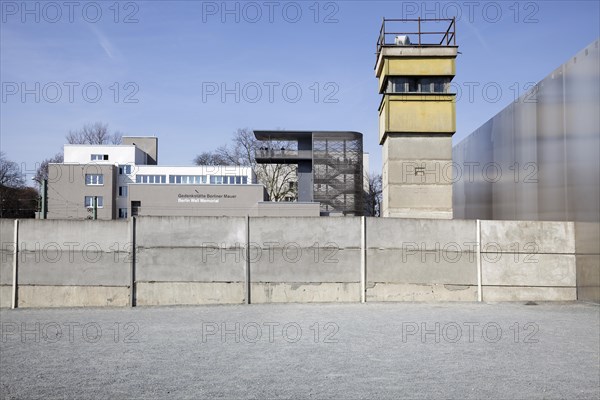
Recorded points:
330,168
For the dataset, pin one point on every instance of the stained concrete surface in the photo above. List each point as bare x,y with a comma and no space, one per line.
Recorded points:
374,350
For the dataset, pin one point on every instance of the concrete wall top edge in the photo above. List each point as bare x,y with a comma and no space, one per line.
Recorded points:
547,237
190,231
586,237
399,232
7,229
344,232
35,232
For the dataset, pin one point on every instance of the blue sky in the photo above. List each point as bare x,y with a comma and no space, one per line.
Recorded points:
161,67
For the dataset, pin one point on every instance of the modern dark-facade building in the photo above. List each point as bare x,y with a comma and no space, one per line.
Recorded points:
330,166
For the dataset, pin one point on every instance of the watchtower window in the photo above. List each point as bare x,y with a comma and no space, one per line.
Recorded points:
401,84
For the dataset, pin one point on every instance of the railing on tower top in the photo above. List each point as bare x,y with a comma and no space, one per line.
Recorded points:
424,36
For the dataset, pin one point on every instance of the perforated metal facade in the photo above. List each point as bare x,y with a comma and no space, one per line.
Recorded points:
330,168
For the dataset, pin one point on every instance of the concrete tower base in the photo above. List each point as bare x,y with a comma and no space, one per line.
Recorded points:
417,176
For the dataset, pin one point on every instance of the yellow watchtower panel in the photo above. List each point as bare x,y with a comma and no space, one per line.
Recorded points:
417,116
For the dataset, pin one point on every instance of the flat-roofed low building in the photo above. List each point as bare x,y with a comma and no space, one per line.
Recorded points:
208,190
124,180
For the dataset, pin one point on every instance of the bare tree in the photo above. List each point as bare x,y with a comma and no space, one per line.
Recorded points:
241,152
374,196
42,171
209,158
96,133
116,138
10,173
279,180
75,137
91,133
275,177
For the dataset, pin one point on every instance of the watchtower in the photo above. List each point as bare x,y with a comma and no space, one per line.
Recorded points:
417,116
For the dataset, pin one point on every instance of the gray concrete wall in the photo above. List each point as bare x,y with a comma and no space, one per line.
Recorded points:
305,259
587,260
417,176
215,260
421,260
6,261
528,260
65,263
190,260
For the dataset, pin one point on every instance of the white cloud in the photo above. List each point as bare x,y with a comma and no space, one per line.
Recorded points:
110,50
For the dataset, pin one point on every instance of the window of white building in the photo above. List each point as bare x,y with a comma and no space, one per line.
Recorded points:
94,179
188,179
228,180
151,179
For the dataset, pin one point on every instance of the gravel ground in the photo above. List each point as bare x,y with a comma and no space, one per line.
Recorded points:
374,351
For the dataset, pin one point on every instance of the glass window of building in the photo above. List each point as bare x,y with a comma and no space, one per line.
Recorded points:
402,85
99,157
442,85
94,179
88,201
125,169
122,213
187,179
439,84
135,208
122,191
155,179
433,84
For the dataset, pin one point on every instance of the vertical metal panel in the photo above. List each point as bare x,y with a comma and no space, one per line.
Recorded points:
547,146
582,122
